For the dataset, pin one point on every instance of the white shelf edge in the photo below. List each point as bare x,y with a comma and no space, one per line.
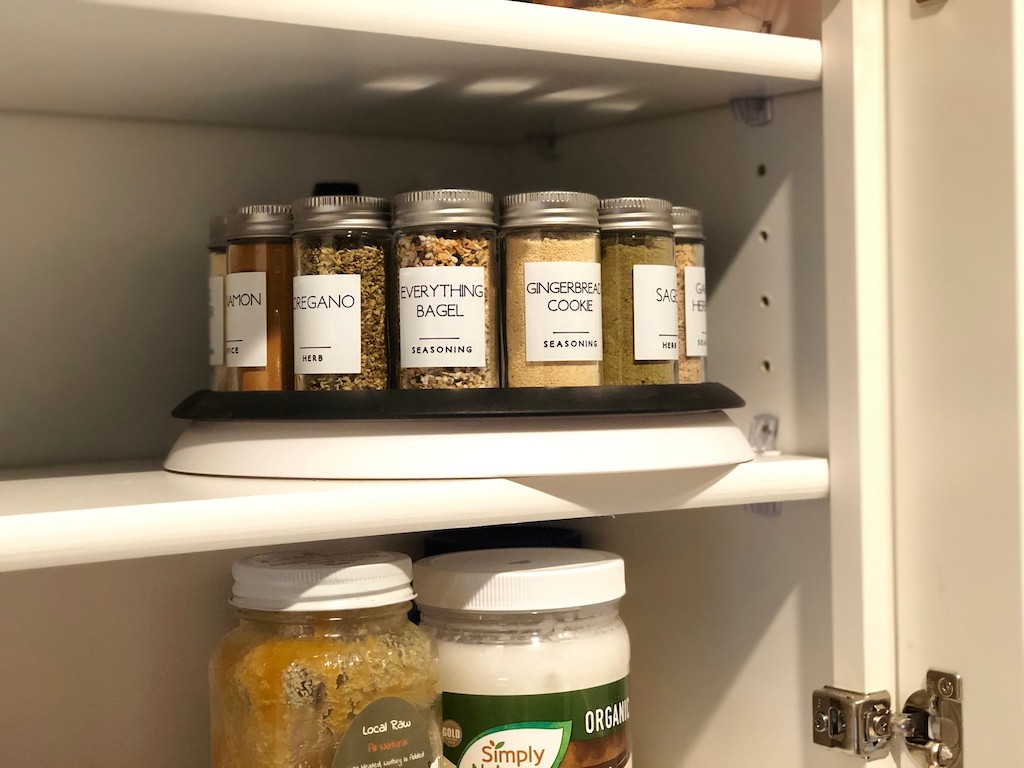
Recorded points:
48,522
531,27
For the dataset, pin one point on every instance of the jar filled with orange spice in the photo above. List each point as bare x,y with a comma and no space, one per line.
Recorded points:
258,299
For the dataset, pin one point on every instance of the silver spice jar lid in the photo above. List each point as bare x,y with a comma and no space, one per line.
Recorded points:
444,206
218,239
687,222
635,213
312,214
258,222
541,208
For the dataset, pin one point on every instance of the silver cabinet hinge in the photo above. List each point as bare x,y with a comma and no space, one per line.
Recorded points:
864,725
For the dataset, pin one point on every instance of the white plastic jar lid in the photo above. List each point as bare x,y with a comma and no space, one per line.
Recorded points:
519,580
317,581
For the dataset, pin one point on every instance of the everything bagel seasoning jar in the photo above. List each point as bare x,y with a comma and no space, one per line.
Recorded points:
534,659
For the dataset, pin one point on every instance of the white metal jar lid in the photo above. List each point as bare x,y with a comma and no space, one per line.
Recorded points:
519,579
316,581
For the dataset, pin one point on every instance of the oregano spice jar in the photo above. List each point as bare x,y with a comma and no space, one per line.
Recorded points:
688,227
324,669
444,300
639,292
341,249
258,299
551,262
218,257
533,655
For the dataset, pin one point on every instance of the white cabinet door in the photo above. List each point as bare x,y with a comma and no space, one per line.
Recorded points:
923,139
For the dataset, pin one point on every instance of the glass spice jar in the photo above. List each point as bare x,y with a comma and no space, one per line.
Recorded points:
341,248
688,226
552,277
324,668
444,298
258,299
218,250
533,655
639,292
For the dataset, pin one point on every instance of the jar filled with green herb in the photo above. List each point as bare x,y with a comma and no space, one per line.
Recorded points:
640,310
693,343
341,249
445,293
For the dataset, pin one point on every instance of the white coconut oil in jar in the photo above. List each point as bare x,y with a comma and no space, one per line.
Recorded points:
534,659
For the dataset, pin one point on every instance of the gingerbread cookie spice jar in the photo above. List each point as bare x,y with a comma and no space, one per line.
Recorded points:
324,669
341,247
444,306
533,656
693,343
551,259
639,292
258,299
218,247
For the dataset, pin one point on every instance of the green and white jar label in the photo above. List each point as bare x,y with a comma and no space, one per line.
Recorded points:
576,729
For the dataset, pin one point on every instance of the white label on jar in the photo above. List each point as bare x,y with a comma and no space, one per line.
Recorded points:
441,316
245,319
216,307
696,319
328,332
563,311
655,312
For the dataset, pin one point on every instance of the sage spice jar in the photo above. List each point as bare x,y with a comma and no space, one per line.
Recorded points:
551,262
639,292
693,343
324,668
444,300
341,247
218,245
258,299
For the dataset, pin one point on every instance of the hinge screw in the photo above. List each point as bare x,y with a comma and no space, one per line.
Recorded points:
820,722
880,724
946,687
941,755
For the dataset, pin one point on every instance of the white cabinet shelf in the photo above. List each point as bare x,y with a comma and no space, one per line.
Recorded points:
482,70
127,511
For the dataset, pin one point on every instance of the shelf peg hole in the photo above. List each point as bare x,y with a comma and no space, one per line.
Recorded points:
762,235
762,169
765,301
766,366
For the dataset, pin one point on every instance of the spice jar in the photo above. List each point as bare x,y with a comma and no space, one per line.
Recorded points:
218,246
551,261
324,668
341,246
258,299
639,292
445,298
693,343
534,659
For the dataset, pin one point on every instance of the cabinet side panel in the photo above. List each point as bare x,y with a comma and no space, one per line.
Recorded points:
103,301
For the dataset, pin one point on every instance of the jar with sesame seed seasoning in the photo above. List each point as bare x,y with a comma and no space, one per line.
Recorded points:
445,291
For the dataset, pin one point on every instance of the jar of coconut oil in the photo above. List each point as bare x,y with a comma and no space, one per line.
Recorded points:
534,659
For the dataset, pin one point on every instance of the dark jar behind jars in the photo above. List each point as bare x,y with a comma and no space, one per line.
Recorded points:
445,293
258,299
552,271
341,250
218,247
323,654
693,337
639,292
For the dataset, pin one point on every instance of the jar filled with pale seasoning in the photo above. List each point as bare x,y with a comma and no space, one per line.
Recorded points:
218,258
258,299
533,655
324,669
445,291
341,249
688,226
639,292
551,262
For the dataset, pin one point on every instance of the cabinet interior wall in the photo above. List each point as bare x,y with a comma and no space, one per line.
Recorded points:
104,665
